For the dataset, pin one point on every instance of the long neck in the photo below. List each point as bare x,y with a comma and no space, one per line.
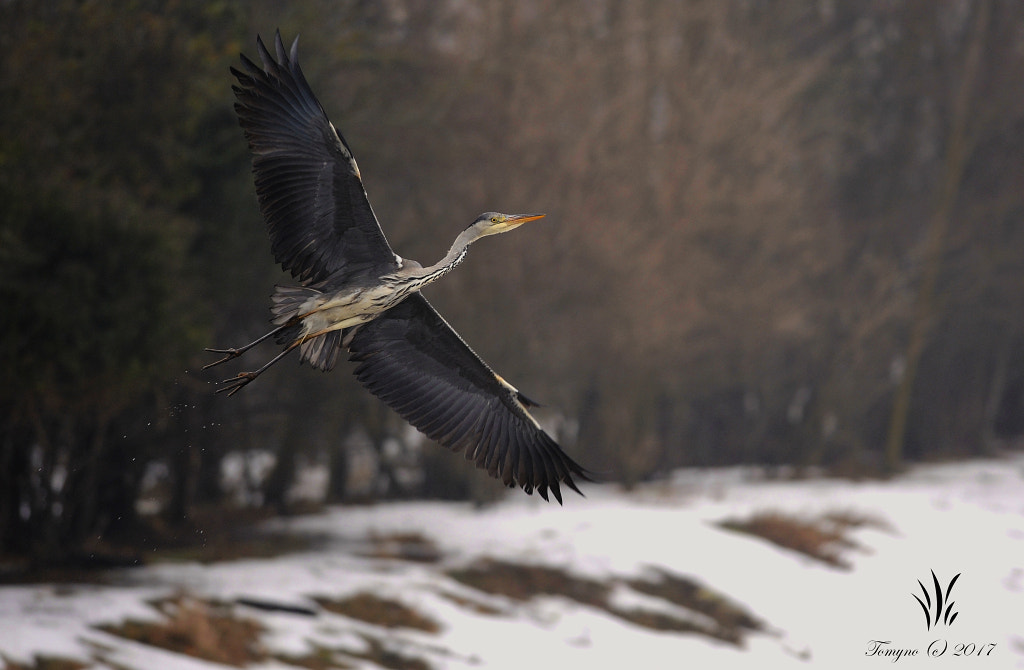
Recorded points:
455,254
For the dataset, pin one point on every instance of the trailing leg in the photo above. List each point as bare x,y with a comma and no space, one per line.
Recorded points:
233,384
235,353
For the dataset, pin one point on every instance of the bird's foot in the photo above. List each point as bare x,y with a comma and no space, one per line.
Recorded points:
233,384
228,355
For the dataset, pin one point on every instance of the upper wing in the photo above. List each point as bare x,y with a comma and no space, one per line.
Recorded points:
307,181
410,358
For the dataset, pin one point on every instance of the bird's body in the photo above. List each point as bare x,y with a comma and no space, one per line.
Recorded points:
357,295
352,301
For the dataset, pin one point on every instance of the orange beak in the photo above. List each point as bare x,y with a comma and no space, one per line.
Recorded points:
520,219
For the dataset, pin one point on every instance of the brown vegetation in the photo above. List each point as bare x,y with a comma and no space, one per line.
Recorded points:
522,582
721,619
379,612
198,628
823,538
731,619
219,632
45,663
212,631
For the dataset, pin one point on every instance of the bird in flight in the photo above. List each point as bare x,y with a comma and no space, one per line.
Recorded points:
356,294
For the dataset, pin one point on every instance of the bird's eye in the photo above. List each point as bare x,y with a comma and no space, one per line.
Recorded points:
494,219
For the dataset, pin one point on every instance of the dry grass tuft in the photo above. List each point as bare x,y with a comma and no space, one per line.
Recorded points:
198,628
211,631
824,538
849,519
471,604
658,621
45,663
522,582
388,658
731,620
380,612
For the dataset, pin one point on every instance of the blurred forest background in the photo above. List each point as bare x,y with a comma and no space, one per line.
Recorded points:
779,232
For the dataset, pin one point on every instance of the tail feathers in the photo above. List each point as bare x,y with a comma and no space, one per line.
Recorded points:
289,335
289,305
322,350
288,301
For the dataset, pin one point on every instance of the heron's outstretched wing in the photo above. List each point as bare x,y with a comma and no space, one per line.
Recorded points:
307,181
410,358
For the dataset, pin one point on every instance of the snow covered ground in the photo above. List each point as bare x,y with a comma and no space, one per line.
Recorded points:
959,518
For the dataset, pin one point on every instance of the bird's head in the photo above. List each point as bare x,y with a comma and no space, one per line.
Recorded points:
492,223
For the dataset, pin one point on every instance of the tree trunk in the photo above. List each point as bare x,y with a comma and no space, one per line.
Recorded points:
957,151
